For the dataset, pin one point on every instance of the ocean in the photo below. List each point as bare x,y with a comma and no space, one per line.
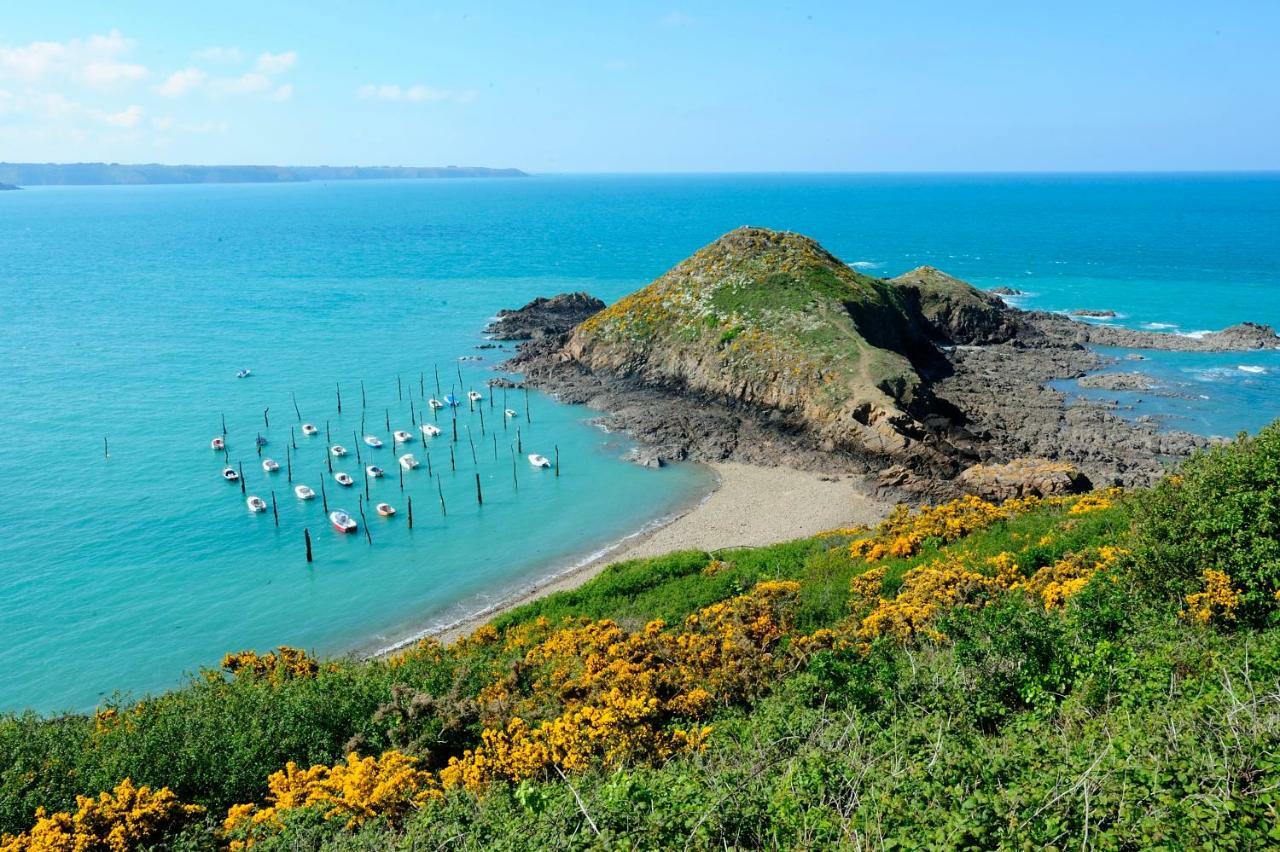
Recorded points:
129,310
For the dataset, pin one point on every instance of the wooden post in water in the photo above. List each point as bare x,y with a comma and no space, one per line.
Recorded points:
266,422
519,444
514,480
356,438
482,421
504,409
306,536
106,450
437,369
429,473
557,461
399,388
388,411
440,490
473,447
324,497
527,417
258,442
495,446
413,419
422,385
296,410
288,460
363,403
364,521
401,475
366,483
293,437
453,464
274,511
328,456
224,425
410,511
339,386
327,439
458,367
455,425
241,466
479,494
363,428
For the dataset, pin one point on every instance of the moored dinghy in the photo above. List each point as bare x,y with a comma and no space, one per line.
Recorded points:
338,450
218,444
435,403
451,400
510,412
270,465
430,430
343,479
403,437
474,396
229,474
304,492
256,504
538,461
373,441
386,510
374,471
310,429
342,522
408,462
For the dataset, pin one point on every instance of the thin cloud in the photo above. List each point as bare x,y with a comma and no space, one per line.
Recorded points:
226,55
96,62
181,82
127,118
276,63
417,93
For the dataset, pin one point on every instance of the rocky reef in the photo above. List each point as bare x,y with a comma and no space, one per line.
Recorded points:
765,348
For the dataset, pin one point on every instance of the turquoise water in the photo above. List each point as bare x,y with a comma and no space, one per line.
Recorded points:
128,310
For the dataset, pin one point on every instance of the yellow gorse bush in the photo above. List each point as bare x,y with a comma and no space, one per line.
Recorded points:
389,786
282,664
1217,603
902,533
125,818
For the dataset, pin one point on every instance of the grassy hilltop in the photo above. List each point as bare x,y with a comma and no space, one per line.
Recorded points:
1098,670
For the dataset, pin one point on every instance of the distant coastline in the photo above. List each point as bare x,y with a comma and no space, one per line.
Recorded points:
5,186
99,174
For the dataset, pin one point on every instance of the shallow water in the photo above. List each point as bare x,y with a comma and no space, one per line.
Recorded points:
128,311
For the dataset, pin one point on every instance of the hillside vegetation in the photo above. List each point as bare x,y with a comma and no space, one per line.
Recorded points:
1093,671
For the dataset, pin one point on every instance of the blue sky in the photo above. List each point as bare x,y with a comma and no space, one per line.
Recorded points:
913,85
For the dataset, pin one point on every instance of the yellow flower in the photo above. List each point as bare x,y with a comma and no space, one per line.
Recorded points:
123,819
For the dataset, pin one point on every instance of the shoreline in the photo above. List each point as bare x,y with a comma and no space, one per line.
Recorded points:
748,506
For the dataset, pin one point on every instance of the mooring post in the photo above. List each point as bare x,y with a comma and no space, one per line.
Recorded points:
473,447
527,417
363,404
514,480
557,461
364,521
410,511
288,460
429,473
422,385
495,446
440,490
519,444
258,442
106,450
482,421
306,536
339,386
479,494
274,511
224,425
240,465
266,423
327,439
388,410
399,388
293,437
453,464
437,369
324,497
296,410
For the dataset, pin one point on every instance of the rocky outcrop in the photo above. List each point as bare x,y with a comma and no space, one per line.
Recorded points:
1005,291
763,347
1090,312
544,317
1119,382
1023,478
956,312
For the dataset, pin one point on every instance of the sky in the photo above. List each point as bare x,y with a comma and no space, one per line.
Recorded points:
911,85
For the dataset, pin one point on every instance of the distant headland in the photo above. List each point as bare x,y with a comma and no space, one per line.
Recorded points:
70,174
4,186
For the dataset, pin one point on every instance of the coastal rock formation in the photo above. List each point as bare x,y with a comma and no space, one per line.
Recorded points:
1023,478
764,348
1090,312
1005,291
544,317
1119,382
8,186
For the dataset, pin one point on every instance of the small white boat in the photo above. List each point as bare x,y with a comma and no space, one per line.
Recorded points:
474,396
373,441
386,510
256,504
511,412
343,479
538,461
244,374
310,429
403,437
304,492
408,462
270,465
217,444
342,522
374,471
435,403
338,450
229,474
430,430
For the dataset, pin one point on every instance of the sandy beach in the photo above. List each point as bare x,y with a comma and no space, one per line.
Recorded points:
750,507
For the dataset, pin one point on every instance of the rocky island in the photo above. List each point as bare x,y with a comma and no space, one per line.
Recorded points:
765,348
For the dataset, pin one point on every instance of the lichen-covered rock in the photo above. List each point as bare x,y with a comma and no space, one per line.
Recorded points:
1023,478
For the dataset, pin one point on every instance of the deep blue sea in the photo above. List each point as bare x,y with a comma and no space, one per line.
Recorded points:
128,310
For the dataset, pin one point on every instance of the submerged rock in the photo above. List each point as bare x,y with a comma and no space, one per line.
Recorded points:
1089,312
